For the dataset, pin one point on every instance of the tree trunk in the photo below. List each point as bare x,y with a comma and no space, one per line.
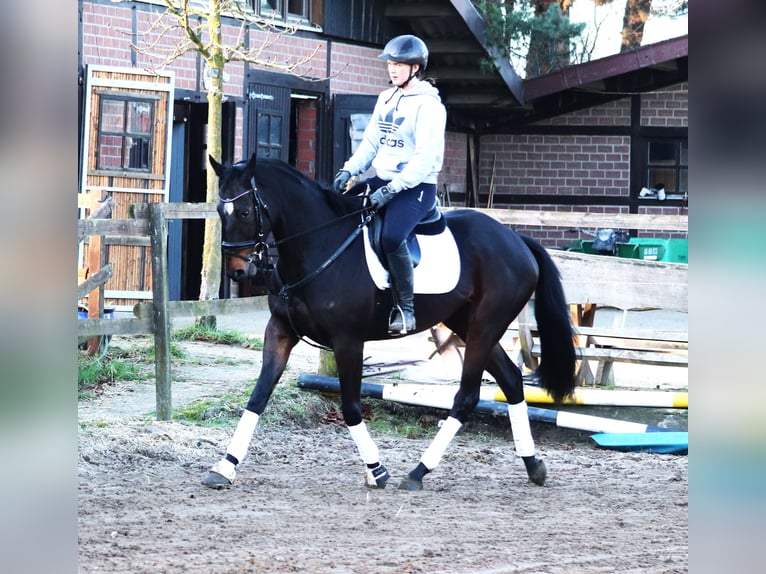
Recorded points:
633,22
211,248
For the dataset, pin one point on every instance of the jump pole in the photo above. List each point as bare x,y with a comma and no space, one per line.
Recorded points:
403,393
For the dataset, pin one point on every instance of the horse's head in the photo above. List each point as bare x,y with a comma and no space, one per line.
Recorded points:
244,221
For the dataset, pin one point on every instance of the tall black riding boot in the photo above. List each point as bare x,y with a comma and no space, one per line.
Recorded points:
402,319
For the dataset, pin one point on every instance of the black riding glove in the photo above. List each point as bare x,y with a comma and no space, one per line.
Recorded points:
381,197
341,181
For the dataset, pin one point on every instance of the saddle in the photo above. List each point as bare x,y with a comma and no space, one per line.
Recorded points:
432,224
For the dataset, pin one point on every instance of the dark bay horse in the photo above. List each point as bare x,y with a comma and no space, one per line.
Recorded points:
322,290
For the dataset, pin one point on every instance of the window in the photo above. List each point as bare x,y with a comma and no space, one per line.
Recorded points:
125,134
293,11
668,165
269,135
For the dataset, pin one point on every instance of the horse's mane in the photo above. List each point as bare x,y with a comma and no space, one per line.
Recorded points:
275,173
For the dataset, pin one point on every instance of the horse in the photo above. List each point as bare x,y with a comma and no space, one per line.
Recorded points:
321,291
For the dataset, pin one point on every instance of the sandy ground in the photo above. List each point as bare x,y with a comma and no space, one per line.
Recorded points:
299,504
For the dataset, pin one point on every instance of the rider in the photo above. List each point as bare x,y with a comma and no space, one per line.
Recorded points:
404,143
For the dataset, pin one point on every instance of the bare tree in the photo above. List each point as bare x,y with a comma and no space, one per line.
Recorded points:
197,26
633,22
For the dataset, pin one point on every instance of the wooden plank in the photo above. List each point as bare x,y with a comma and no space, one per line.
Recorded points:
136,241
130,227
623,283
95,296
517,217
179,210
207,308
95,280
123,326
627,356
637,334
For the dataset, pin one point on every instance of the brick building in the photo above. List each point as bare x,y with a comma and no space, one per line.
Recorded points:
590,137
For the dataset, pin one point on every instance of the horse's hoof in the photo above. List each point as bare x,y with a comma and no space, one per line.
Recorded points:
377,477
411,485
216,481
538,473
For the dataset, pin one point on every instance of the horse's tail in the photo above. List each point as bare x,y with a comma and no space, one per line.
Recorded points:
557,353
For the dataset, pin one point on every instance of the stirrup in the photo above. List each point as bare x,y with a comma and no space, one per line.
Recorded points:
400,322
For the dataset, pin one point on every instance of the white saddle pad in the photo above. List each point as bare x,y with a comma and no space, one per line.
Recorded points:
438,270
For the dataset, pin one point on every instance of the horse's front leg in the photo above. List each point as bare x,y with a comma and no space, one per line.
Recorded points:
349,357
279,341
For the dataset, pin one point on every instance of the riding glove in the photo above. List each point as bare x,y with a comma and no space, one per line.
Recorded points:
341,181
381,197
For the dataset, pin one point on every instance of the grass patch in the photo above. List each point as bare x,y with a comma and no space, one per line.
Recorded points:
95,372
289,407
222,337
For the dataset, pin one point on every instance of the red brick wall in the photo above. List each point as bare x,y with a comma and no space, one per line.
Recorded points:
666,108
357,70
306,140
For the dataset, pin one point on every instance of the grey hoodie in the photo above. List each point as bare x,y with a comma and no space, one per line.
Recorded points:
404,140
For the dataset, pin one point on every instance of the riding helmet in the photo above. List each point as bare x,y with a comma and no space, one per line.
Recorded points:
407,49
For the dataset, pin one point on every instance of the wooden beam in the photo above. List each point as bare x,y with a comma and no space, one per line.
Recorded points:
86,227
178,210
160,315
207,308
95,280
587,220
476,25
127,326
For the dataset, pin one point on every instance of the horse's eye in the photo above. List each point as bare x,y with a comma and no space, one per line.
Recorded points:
244,213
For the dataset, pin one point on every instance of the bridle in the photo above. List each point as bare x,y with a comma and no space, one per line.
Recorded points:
259,254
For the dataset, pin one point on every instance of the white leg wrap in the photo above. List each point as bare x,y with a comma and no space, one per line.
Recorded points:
368,450
522,434
442,440
225,469
240,442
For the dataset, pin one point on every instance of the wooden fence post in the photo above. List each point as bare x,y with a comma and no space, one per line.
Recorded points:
158,227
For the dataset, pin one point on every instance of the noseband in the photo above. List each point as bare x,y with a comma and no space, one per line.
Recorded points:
259,246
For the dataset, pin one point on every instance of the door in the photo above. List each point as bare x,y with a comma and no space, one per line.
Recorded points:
269,121
126,151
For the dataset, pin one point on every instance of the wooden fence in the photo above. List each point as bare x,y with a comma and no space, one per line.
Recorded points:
155,317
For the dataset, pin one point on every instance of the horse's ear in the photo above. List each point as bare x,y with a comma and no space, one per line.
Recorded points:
217,167
250,164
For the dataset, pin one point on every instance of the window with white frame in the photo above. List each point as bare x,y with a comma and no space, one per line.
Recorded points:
291,11
125,133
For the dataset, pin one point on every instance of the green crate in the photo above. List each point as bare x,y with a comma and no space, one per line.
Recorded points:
646,248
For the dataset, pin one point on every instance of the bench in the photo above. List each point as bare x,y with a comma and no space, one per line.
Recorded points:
628,287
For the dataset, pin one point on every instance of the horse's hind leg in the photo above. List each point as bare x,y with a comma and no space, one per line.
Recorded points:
508,377
464,403
349,358
279,341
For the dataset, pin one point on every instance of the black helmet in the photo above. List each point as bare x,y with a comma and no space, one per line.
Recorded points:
406,49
